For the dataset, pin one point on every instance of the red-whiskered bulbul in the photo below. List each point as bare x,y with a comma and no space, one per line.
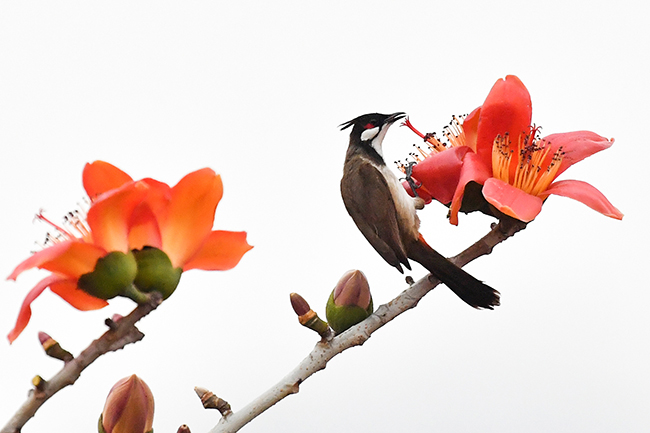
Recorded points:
386,215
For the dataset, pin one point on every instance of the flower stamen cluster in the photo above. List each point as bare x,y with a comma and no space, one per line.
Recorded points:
453,133
77,228
527,167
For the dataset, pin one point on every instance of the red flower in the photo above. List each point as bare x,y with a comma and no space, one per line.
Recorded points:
127,215
499,149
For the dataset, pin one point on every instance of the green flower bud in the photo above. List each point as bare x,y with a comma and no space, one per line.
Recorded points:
112,275
155,272
350,301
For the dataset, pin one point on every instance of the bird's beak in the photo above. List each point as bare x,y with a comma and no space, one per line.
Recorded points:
395,117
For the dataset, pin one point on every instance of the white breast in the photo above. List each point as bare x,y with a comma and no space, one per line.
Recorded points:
407,214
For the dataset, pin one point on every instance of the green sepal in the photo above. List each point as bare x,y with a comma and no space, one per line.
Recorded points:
113,273
156,272
343,317
100,424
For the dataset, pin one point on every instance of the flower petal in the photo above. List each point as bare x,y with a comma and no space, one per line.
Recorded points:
512,201
439,172
25,310
473,169
110,216
576,146
69,258
507,109
99,177
584,193
470,128
422,191
189,217
76,297
222,250
144,229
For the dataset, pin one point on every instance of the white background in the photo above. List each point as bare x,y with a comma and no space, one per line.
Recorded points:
256,90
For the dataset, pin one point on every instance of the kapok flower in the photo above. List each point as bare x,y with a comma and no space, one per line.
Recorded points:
516,167
129,408
127,222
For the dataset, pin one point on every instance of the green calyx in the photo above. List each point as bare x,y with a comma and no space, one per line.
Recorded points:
156,272
113,275
343,317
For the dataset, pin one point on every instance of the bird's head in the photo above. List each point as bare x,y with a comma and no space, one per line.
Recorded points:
370,129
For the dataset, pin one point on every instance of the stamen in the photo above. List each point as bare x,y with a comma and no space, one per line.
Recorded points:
74,227
501,156
454,132
60,229
526,171
454,135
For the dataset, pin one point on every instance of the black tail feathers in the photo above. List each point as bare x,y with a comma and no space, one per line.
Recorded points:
466,287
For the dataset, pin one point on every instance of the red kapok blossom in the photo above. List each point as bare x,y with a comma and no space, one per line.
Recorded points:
505,154
127,215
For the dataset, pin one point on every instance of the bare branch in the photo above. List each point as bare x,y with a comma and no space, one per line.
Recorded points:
357,335
120,334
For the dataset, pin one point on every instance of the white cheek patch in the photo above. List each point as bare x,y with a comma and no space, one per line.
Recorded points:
369,134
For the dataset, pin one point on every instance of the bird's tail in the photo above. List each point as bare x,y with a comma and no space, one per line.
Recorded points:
469,289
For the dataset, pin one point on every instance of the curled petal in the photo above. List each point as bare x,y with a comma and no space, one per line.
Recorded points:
70,293
25,310
584,193
512,201
470,127
69,258
473,169
100,177
222,250
439,172
507,109
189,217
576,146
109,218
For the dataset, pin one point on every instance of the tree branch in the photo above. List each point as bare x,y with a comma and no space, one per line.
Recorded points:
357,335
120,334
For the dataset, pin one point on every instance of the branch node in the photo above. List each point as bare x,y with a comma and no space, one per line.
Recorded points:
211,401
39,386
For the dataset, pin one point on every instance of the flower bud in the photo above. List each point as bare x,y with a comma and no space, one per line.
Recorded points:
308,317
53,348
350,301
128,408
112,275
156,272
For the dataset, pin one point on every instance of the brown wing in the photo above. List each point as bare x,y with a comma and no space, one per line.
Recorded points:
368,200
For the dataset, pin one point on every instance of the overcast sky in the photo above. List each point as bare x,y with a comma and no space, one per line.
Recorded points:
255,90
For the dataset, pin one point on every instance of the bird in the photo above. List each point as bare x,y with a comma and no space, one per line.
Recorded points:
387,215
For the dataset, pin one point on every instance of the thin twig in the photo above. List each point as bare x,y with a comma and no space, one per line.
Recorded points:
120,334
357,335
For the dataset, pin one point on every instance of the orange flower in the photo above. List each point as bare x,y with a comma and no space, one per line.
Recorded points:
497,147
126,216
